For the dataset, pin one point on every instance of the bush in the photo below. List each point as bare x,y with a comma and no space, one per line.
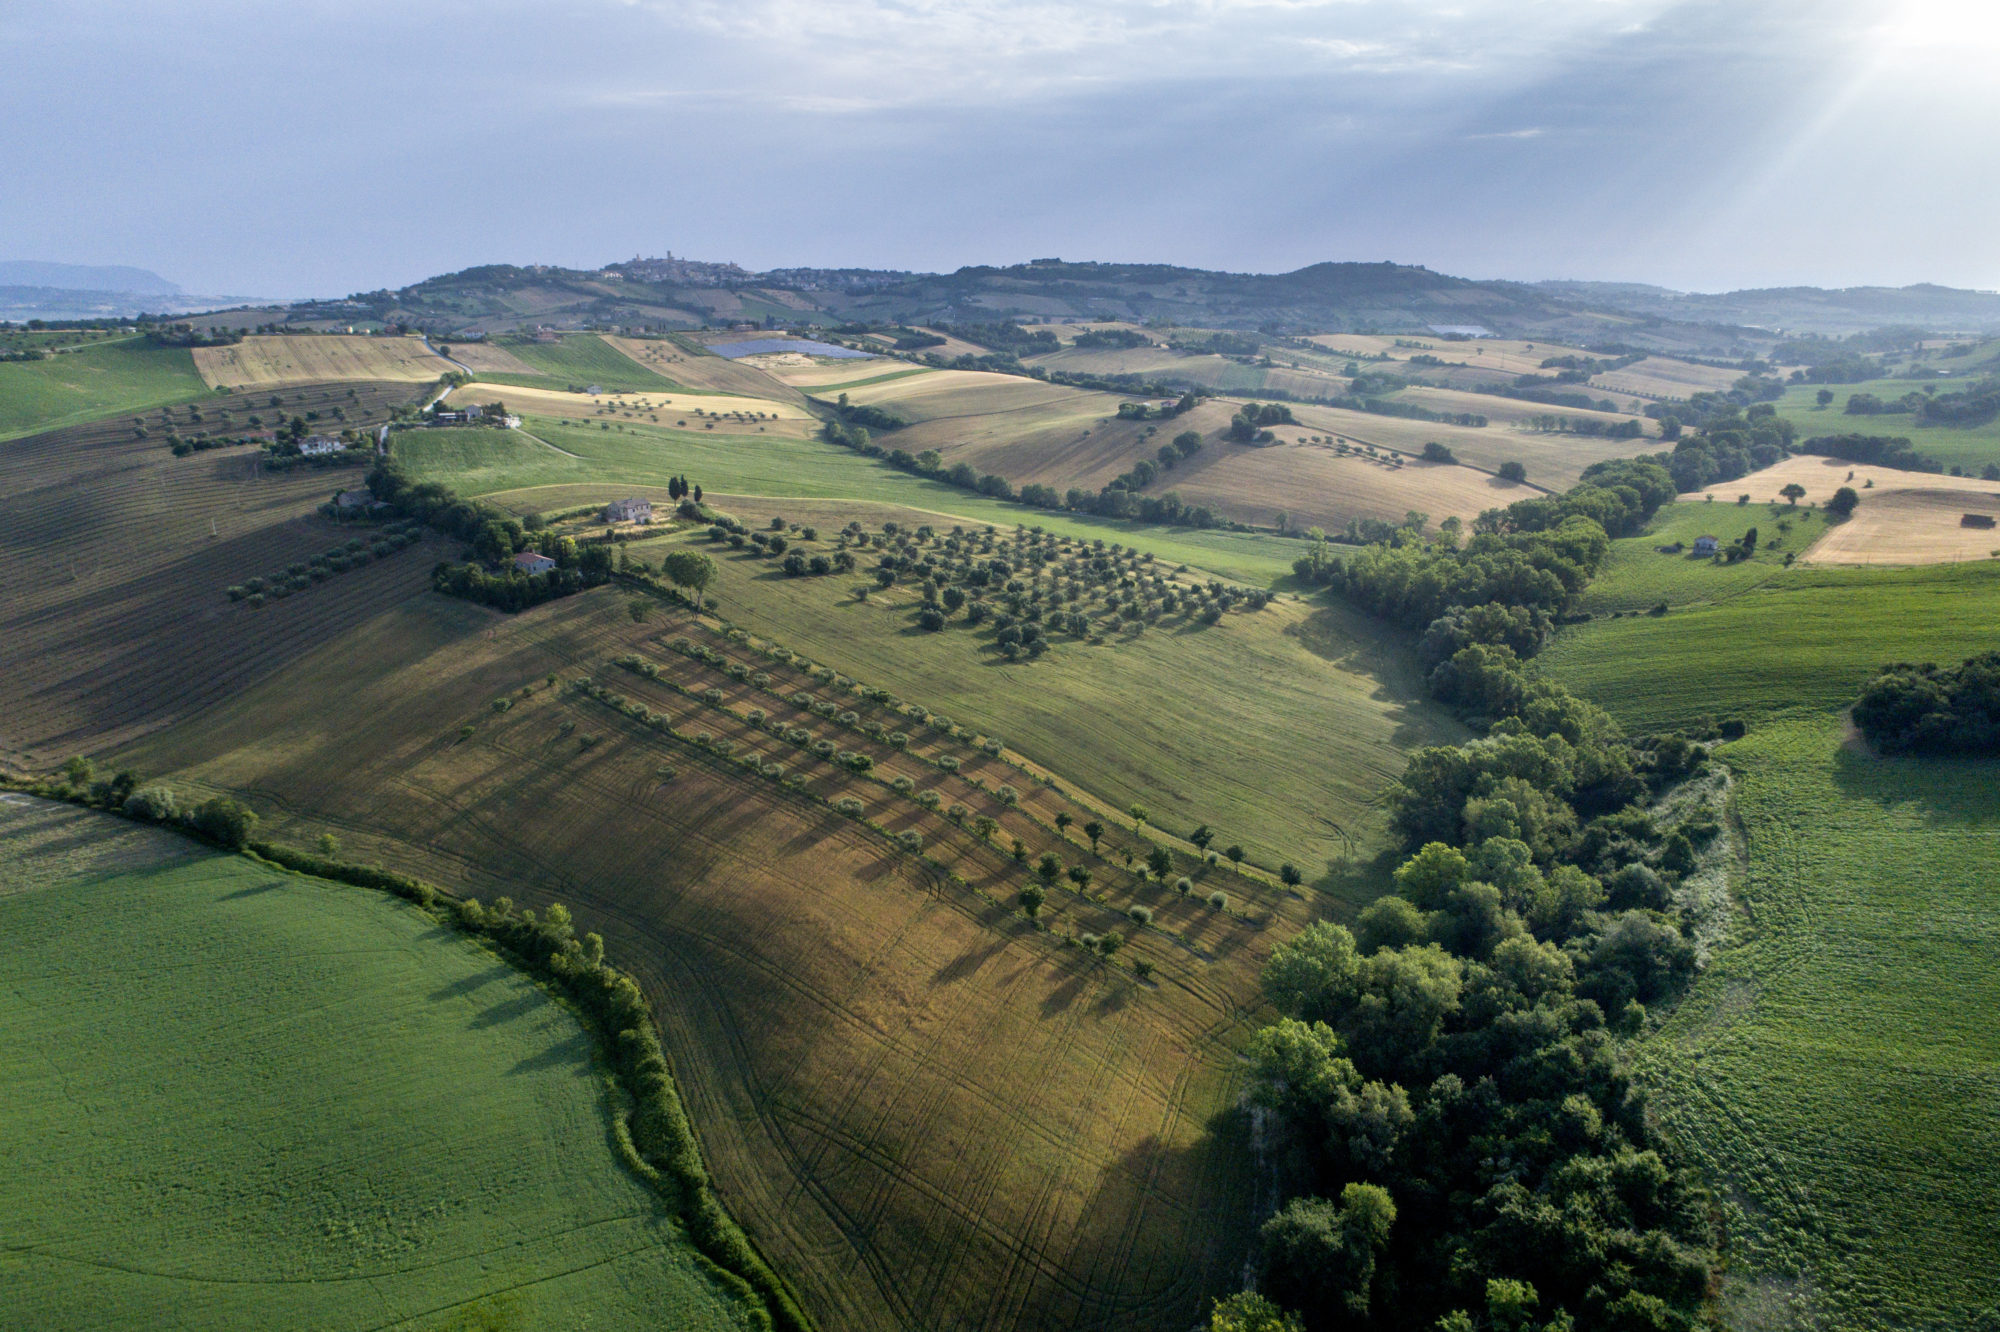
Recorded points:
910,840
1008,796
1184,885
849,806
154,804
225,822
1142,915
1218,900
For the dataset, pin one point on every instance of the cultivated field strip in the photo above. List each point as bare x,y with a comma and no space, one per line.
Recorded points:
265,361
927,1111
119,554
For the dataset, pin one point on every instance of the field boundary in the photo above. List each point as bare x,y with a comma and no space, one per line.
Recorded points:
654,1137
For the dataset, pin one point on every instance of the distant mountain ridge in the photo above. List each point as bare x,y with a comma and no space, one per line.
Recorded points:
1832,311
85,277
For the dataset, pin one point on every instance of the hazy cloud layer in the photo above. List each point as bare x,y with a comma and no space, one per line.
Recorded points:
324,147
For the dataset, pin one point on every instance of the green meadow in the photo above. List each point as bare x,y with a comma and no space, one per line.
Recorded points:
1971,448
493,462
1836,1068
1638,575
579,359
240,1098
100,380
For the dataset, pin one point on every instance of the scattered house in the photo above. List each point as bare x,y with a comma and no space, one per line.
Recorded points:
510,422
1976,520
473,411
629,511
533,563
443,417
314,446
593,390
1705,545
357,501
546,335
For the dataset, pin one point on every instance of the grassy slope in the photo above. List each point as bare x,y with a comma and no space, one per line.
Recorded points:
1638,576
581,359
487,462
1277,728
1971,448
1836,1066
97,381
339,1116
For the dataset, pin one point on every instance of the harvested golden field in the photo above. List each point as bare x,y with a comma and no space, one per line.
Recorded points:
928,1111
1665,378
961,395
489,358
1913,527
638,406
1316,486
1822,476
704,374
262,360
116,620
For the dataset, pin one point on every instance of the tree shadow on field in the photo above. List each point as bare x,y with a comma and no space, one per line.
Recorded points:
971,961
254,890
572,1053
507,1011
1950,791
1059,999
467,984
1165,1229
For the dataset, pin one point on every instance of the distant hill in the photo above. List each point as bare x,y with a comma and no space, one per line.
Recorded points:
1832,312
85,277
1327,297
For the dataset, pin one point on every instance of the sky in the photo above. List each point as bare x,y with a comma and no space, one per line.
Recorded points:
320,147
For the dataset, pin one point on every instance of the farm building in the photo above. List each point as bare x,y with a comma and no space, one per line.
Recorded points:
352,500
314,446
1705,545
533,563
629,511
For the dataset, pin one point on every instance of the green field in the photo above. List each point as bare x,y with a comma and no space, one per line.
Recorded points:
581,358
1639,576
488,462
1279,728
239,1098
1971,448
96,381
1836,1068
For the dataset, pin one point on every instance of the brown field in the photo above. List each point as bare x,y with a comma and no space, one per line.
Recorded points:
1314,486
583,406
958,395
489,358
116,623
705,374
1904,518
809,373
1664,378
927,1112
1912,527
261,361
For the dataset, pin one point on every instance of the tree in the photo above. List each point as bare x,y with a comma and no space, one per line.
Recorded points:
1050,867
1063,820
1513,471
1202,836
1247,1311
226,822
1080,875
78,771
1032,898
1235,854
689,569
1843,502
1290,875
1823,397
1093,830
1161,862
1793,492
1438,453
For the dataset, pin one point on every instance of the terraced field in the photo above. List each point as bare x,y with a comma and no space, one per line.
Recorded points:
927,1110
117,621
257,1100
1833,1068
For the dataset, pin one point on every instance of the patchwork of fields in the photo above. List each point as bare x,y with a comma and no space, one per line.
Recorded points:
256,1100
924,1109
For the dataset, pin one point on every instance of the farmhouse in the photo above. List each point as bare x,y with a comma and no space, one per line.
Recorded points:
1704,545
533,563
629,511
314,446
